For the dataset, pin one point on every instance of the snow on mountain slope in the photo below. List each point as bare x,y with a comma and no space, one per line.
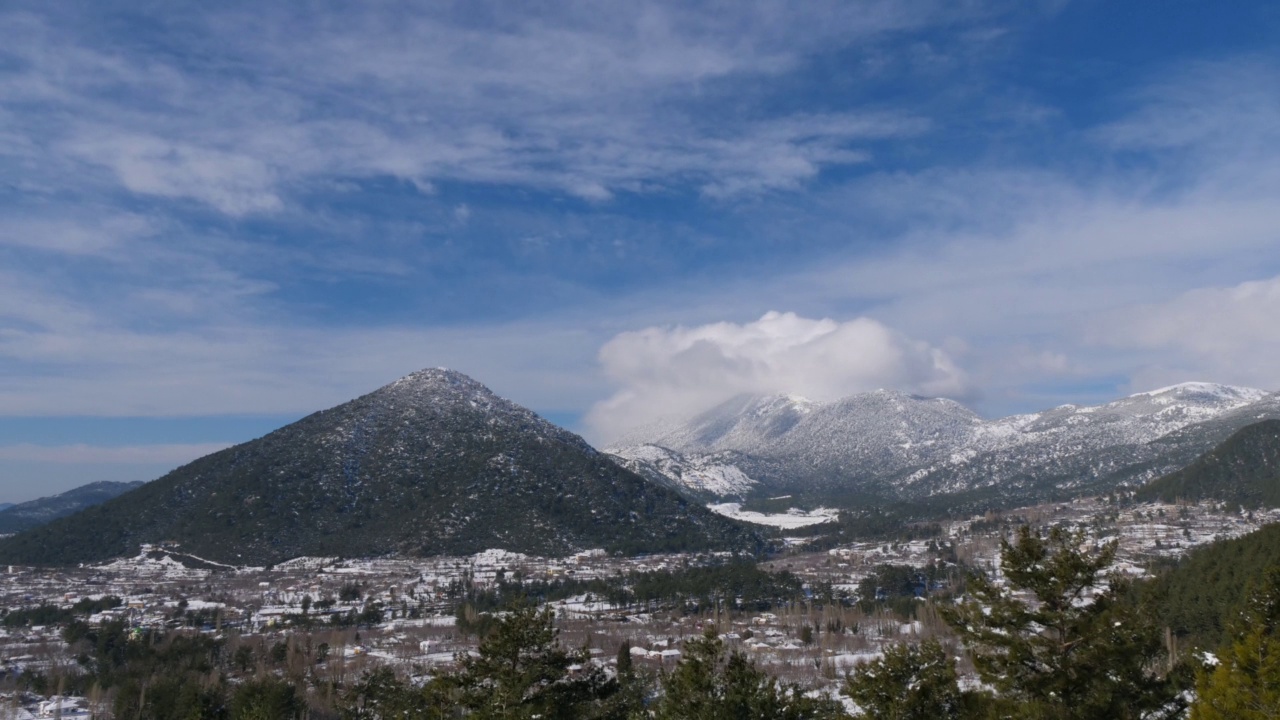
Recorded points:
897,445
714,474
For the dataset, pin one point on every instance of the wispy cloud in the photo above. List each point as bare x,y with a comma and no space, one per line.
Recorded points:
589,103
80,454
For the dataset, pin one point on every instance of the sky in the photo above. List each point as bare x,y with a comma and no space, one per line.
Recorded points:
216,218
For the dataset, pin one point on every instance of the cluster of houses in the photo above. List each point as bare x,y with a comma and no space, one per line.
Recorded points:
404,611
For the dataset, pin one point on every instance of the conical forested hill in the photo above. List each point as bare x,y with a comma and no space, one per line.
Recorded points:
433,463
1243,469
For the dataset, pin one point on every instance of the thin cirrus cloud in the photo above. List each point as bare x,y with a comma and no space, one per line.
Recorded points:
666,372
589,108
93,455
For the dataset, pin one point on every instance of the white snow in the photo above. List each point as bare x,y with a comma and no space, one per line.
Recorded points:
926,446
1228,392
793,518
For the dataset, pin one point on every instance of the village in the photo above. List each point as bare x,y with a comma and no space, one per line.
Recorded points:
335,618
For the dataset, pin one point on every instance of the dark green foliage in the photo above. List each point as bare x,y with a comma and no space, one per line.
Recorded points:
911,682
1243,470
471,621
152,676
1198,598
624,658
432,464
698,587
173,697
54,615
707,684
1063,654
521,671
1245,685
266,698
380,695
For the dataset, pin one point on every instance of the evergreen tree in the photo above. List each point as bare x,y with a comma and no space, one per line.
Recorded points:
1245,685
267,698
1074,648
911,682
521,671
624,658
380,695
707,685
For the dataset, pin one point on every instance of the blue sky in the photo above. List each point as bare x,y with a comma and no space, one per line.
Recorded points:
219,217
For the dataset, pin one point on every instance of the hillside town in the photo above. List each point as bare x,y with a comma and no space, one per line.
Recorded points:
340,617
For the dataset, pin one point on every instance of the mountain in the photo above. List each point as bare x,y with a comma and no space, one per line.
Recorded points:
892,447
433,463
1244,469
5,506
35,513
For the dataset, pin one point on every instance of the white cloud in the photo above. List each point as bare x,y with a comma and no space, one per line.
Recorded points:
678,371
1226,334
234,183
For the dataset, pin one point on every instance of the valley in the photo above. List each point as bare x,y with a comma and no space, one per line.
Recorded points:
333,619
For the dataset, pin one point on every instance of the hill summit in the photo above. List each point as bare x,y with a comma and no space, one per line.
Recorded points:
433,463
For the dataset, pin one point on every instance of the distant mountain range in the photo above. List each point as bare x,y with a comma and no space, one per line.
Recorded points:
433,463
892,447
34,513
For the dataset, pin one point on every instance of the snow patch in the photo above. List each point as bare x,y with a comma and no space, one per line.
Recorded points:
793,518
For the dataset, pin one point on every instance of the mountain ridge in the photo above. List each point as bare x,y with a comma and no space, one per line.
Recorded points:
33,513
432,463
892,446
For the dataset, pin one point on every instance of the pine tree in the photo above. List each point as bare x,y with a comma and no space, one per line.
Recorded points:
266,698
522,671
1073,648
710,684
1245,685
380,694
624,658
911,682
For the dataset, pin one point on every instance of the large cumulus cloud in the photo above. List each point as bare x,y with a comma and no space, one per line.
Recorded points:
671,372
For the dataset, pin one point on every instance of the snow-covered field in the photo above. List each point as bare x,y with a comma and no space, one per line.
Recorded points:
793,518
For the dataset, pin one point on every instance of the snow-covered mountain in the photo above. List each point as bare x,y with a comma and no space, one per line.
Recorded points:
891,445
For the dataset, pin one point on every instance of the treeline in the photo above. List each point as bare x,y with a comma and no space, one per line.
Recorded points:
1198,598
154,675
1244,470
53,615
